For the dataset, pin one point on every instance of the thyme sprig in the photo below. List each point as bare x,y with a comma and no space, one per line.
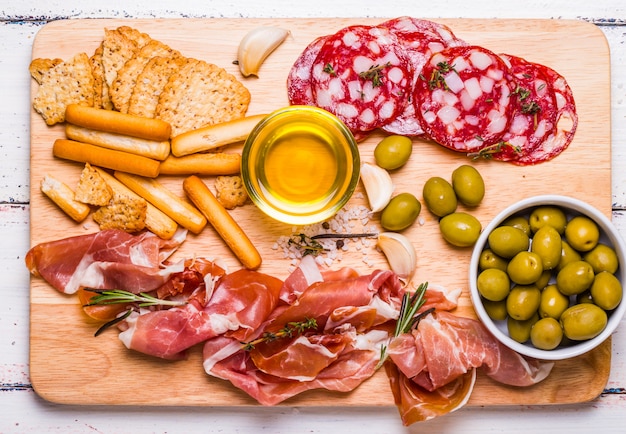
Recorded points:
291,329
437,78
117,296
488,151
408,316
373,73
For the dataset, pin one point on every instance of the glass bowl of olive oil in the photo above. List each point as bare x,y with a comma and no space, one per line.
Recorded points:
300,165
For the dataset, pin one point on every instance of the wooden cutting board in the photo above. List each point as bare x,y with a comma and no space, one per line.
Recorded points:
69,365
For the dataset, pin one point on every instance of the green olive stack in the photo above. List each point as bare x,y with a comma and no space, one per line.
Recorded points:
549,276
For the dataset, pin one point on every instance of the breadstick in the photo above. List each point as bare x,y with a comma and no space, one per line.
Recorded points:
213,136
119,142
157,221
107,158
119,123
176,208
63,196
218,163
223,222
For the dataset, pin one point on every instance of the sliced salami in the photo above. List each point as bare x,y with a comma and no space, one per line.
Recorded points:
363,76
420,39
463,98
299,89
535,110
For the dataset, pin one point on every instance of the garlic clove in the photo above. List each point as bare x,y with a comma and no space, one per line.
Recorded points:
256,46
378,186
400,254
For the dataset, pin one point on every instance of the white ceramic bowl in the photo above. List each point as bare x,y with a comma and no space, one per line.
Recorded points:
609,236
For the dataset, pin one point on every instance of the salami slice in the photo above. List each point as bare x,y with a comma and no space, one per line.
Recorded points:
535,110
464,98
420,39
299,79
363,76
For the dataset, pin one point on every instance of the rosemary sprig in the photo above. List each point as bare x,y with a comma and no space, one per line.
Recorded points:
117,296
373,74
408,317
111,323
291,329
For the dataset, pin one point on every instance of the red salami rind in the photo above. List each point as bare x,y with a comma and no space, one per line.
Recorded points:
367,102
464,98
299,89
535,110
420,39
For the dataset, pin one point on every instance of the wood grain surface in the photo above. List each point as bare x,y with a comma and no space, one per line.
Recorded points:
69,365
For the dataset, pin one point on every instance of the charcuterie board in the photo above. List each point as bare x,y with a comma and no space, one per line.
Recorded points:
69,365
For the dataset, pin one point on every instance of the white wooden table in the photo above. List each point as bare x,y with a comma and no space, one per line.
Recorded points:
21,410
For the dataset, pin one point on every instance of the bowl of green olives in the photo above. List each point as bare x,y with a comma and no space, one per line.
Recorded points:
546,277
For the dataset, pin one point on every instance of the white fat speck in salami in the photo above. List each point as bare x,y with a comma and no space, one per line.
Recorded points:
463,98
363,76
299,79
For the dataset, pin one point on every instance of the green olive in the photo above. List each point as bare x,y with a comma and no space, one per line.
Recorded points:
519,222
582,233
493,284
548,215
468,185
400,213
523,301
584,297
439,196
460,229
546,334
567,255
495,309
488,259
520,330
544,279
602,258
606,290
553,303
574,278
525,268
393,152
583,321
508,241
547,244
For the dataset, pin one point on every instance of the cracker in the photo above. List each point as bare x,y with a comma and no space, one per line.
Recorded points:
126,79
38,67
92,188
117,50
150,84
101,98
230,191
69,82
123,212
200,94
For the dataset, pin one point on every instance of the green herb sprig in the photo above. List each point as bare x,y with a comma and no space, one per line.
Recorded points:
291,329
118,296
488,151
373,73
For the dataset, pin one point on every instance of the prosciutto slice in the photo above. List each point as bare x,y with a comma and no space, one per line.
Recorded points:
239,304
108,259
438,356
354,318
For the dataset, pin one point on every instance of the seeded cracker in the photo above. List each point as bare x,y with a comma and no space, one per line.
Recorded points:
38,67
101,98
199,94
122,212
69,82
92,188
150,84
126,79
230,192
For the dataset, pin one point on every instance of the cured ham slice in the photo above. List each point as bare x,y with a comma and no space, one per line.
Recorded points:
354,318
440,352
240,302
108,259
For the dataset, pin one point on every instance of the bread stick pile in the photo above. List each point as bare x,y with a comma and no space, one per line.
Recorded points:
124,121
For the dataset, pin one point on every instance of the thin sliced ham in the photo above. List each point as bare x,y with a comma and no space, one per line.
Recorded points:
108,259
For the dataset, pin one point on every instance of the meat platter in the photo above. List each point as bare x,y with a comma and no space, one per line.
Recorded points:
69,365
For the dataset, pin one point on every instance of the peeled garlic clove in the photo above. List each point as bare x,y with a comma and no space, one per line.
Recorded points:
400,254
256,46
378,186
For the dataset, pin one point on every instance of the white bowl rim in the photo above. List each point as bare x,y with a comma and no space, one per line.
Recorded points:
611,233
